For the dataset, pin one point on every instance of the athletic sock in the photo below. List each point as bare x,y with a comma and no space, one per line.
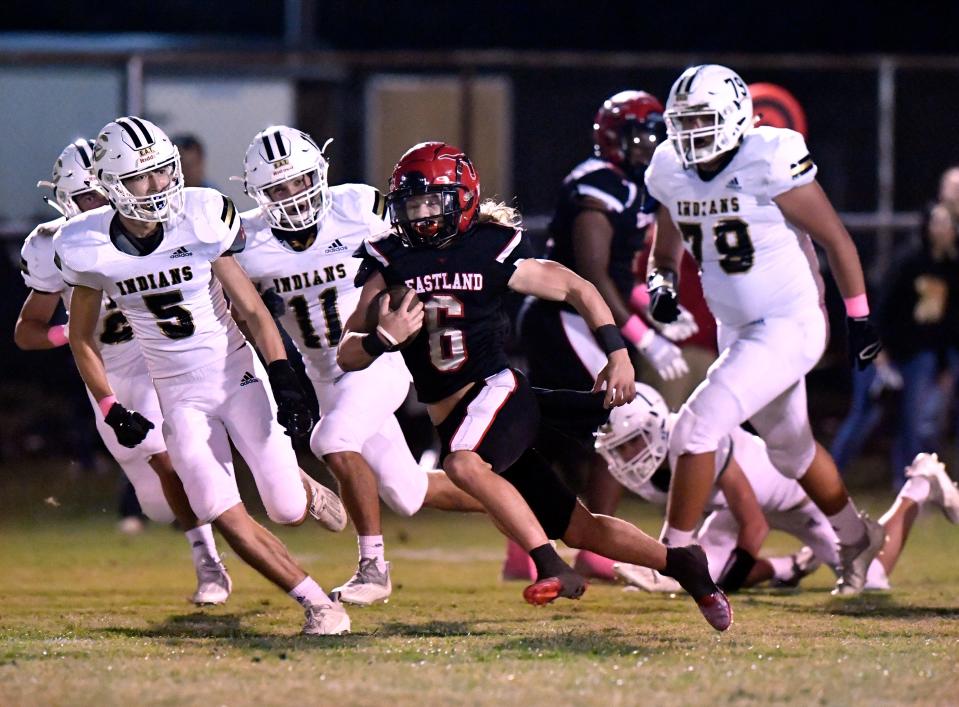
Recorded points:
202,545
916,489
308,592
372,546
674,537
848,524
687,565
548,562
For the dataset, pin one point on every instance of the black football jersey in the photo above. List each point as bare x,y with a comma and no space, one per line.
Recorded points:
462,287
627,206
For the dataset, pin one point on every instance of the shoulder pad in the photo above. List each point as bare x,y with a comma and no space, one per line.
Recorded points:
214,210
49,228
79,240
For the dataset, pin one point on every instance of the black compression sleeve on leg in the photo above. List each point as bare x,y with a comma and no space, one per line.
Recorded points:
737,569
548,562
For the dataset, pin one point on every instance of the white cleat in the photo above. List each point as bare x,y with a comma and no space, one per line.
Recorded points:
325,506
647,579
213,584
942,489
326,619
805,563
854,560
368,585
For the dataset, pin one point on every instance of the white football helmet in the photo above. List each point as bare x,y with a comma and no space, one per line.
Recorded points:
72,176
635,440
708,110
132,146
279,154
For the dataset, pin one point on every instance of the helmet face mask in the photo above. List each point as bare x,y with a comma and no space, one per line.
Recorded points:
127,151
635,441
285,172
434,195
708,111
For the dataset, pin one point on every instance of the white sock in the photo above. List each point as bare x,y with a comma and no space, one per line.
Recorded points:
782,567
876,577
202,544
674,537
372,546
309,592
916,489
848,524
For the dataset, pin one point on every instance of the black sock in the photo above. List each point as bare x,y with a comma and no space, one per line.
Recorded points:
548,562
687,565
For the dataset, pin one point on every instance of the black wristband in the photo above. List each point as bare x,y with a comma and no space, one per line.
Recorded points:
609,338
373,344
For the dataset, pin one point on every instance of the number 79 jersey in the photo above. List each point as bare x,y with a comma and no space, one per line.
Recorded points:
316,283
170,296
754,263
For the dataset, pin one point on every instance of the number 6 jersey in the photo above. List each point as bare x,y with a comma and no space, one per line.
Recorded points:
462,288
169,295
754,263
312,271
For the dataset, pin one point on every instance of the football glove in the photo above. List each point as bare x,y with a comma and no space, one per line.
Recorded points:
663,298
863,341
682,328
130,427
292,410
663,355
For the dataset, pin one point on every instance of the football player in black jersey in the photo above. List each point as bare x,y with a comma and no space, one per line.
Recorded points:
600,225
460,258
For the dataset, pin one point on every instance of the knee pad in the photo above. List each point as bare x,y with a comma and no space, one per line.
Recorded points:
149,490
403,500
792,457
692,434
332,435
156,509
287,505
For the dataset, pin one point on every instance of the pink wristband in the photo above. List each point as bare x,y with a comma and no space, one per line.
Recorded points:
634,328
106,404
57,334
639,298
857,306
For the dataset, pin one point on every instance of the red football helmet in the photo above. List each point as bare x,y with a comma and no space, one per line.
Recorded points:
626,119
440,171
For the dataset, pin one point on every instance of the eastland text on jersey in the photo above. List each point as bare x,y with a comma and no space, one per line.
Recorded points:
445,281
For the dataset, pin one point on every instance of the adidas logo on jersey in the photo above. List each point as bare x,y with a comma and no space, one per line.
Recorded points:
181,252
336,247
734,184
248,378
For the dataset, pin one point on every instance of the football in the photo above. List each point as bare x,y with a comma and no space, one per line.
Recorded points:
396,293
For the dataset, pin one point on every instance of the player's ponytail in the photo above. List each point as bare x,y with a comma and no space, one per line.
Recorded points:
499,212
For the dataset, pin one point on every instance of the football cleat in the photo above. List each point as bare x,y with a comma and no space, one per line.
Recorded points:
647,579
854,560
325,506
593,566
213,584
717,610
518,565
942,489
805,563
326,619
569,586
368,585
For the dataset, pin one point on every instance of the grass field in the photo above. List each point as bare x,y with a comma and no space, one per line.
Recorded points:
91,617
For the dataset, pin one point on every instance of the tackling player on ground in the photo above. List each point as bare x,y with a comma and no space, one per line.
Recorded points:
147,466
745,202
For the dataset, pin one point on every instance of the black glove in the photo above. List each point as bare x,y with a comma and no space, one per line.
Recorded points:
131,427
863,342
663,298
292,410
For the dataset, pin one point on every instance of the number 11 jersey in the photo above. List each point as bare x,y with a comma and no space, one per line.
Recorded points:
754,263
169,296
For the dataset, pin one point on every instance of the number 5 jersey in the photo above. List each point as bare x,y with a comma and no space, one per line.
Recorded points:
169,295
754,263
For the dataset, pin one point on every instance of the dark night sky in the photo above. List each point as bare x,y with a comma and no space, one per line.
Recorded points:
813,26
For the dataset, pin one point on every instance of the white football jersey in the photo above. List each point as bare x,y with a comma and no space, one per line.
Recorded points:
774,492
114,336
754,263
170,297
316,284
